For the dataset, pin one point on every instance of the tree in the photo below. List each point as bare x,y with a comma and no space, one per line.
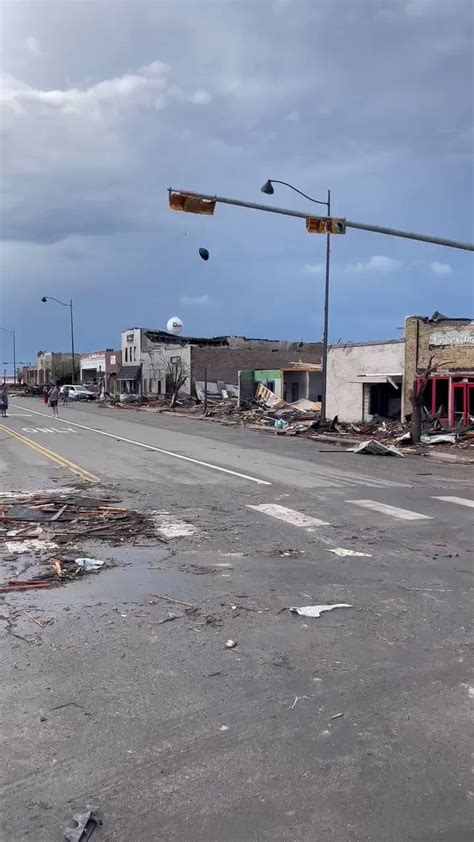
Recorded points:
62,370
417,394
176,372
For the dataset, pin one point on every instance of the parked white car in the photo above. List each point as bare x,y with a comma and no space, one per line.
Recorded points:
78,393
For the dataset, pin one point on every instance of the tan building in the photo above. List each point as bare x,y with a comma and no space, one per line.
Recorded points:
449,345
51,367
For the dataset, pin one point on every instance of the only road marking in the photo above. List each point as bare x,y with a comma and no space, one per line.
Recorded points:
47,430
54,457
158,450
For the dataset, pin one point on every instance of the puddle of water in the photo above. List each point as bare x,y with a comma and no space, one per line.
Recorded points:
136,577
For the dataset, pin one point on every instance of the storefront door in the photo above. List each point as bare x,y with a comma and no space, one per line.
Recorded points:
463,403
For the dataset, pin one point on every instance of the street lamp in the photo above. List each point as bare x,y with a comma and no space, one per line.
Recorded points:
46,298
268,189
14,351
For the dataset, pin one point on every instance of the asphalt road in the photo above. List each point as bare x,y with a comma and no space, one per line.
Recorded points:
174,737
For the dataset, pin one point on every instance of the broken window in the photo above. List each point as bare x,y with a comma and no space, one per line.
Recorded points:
384,400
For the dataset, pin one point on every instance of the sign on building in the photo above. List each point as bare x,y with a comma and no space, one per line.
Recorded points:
452,337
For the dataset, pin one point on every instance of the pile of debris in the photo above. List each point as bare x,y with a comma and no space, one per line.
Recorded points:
56,524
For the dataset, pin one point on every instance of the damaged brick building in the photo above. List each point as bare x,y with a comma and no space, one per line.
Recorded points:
448,343
146,355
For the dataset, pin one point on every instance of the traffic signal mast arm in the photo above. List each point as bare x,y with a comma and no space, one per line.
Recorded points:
205,205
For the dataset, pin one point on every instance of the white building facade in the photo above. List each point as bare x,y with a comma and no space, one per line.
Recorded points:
92,367
365,379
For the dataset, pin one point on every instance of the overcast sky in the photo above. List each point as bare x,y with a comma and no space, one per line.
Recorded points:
107,104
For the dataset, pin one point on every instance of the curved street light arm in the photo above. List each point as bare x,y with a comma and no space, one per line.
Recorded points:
317,201
51,298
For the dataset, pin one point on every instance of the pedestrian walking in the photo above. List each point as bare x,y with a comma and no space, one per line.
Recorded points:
64,395
53,400
45,394
4,400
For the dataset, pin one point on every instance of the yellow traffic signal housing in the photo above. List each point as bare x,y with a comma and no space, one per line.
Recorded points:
325,225
191,204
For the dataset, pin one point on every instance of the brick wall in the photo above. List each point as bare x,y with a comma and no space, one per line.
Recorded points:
225,363
448,358
110,367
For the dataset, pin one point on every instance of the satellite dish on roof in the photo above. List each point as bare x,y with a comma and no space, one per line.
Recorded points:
174,325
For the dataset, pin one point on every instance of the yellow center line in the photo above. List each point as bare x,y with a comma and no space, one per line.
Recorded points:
54,457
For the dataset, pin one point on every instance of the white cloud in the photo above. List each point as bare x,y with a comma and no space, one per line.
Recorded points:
72,157
194,300
315,268
377,263
149,87
33,46
440,268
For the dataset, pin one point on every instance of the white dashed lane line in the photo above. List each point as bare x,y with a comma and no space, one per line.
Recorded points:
459,501
393,511
288,515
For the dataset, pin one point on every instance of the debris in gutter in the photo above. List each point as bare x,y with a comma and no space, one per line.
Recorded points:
442,438
375,448
317,610
230,644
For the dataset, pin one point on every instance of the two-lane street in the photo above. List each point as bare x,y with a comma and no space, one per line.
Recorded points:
357,718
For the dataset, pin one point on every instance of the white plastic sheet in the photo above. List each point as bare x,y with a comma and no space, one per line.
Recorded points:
317,610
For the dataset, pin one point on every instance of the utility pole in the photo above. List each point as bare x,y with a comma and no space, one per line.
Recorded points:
12,332
46,298
326,320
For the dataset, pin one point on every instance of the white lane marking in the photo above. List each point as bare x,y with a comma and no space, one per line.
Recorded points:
288,515
393,511
18,415
160,450
170,527
460,501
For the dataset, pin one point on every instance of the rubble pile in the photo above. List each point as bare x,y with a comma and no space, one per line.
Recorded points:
53,526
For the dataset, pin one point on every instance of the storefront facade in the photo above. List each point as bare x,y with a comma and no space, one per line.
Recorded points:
447,346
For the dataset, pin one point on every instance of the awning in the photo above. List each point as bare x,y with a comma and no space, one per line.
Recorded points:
129,372
393,379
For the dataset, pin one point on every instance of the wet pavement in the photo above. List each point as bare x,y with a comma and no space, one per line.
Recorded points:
351,726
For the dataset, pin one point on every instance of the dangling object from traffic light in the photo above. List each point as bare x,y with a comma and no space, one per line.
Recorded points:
325,225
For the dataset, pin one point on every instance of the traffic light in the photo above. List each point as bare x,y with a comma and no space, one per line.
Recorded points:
191,204
325,225
338,226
